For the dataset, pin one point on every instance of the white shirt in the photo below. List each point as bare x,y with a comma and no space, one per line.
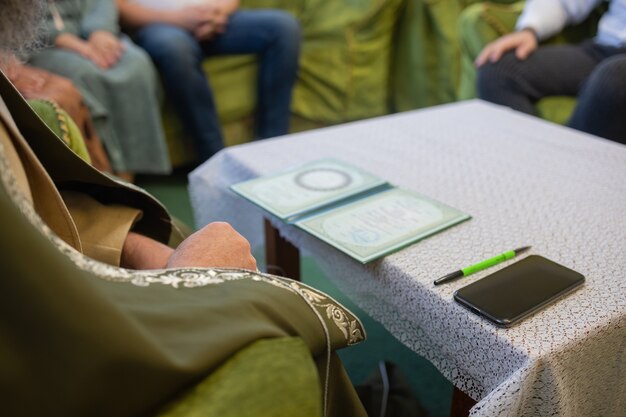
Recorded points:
549,17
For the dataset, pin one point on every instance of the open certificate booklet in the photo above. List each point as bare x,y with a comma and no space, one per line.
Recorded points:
350,209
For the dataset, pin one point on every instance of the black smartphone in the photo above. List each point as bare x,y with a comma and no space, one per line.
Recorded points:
519,290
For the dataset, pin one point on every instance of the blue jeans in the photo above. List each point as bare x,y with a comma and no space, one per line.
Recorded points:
273,35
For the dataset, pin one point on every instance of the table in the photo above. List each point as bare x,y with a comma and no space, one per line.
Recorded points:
525,182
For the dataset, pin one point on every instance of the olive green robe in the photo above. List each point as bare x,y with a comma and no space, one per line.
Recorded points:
80,337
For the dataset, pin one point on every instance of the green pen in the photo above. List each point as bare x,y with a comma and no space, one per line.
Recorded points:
481,265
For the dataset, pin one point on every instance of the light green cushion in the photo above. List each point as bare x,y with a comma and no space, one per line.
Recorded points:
557,109
270,378
62,125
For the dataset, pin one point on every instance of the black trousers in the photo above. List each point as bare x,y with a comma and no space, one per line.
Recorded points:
596,74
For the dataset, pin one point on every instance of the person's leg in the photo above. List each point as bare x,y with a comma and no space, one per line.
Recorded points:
601,106
132,87
178,57
275,36
549,71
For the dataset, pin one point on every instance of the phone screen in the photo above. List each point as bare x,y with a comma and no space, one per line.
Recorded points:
518,290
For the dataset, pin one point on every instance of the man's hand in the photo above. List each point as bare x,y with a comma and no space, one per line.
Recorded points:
203,19
215,20
205,31
108,46
218,14
524,42
194,17
215,245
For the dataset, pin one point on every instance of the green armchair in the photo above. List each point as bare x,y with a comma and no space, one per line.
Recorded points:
482,23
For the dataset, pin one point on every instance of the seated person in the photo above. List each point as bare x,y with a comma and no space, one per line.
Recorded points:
516,72
80,335
178,35
37,84
116,78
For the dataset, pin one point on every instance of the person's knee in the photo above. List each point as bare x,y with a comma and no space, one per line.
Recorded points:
168,45
493,76
486,77
602,101
607,83
285,27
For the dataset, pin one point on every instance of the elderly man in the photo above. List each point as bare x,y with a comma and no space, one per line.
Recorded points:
80,335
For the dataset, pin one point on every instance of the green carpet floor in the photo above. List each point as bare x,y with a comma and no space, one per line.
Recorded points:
429,386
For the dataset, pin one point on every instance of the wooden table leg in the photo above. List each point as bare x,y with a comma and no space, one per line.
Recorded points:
282,258
461,404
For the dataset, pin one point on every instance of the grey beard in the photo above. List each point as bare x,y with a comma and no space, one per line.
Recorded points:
20,23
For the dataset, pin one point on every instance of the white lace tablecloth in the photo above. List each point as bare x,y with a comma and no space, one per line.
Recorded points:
525,182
